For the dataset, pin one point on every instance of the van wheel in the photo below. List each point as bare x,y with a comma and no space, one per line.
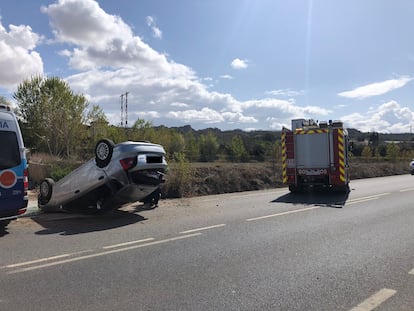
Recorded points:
46,189
103,152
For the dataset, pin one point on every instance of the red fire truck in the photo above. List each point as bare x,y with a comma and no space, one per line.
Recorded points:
315,155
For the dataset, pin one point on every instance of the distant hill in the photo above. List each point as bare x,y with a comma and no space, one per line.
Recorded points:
269,136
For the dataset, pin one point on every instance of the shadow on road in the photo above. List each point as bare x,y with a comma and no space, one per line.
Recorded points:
70,224
3,231
319,198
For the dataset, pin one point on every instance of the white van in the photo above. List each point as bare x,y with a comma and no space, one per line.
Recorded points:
14,181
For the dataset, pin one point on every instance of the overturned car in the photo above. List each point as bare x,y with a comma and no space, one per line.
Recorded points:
119,174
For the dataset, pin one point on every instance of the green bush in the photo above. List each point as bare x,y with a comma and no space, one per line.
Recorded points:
59,171
179,177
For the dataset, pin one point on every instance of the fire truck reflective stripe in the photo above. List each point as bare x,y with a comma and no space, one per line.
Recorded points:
341,155
284,159
318,131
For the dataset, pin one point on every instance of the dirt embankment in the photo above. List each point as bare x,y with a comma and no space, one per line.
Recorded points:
213,178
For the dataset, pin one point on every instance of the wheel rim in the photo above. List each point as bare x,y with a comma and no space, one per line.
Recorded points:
44,189
102,151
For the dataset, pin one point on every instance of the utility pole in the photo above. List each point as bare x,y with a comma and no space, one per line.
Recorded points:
122,110
126,109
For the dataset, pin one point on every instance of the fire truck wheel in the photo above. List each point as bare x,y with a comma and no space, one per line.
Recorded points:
294,189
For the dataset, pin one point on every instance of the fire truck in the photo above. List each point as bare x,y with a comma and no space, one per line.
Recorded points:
315,154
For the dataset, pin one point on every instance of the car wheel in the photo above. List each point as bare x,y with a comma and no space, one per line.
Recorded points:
46,189
103,152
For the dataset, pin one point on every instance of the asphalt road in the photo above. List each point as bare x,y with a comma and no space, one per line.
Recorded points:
262,250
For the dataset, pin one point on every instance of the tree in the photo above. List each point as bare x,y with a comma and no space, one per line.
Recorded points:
237,149
192,148
4,101
366,152
208,147
142,130
176,144
96,114
52,113
98,123
393,151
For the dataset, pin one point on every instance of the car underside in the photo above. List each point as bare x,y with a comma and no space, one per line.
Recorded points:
119,174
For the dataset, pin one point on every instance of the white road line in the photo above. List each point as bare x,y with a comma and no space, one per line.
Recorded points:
61,262
368,198
360,201
128,243
411,272
202,229
375,300
284,213
408,189
27,263
376,196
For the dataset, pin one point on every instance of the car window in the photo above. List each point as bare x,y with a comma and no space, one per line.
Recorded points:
9,155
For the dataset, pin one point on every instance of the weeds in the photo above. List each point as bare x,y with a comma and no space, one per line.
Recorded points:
179,177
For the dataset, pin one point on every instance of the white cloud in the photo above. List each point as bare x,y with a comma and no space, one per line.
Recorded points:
84,23
156,32
277,124
285,92
226,77
239,63
104,40
286,107
377,88
181,105
18,59
389,117
205,115
210,116
111,60
147,115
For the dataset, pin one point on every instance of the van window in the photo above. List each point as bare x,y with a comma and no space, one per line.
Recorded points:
9,154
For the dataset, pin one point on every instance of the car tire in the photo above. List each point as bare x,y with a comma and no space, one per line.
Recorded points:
45,190
103,152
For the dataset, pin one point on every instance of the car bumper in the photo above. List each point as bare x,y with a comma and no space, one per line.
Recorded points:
133,193
142,184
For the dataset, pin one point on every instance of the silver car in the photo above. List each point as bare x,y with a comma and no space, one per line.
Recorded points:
119,174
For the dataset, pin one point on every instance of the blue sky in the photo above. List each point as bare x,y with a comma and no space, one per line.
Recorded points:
233,64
